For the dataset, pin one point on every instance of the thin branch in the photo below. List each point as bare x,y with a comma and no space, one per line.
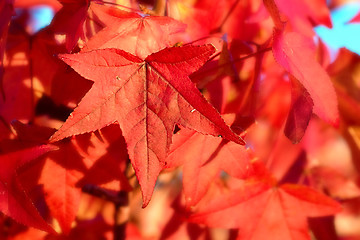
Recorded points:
197,40
236,60
252,55
218,29
116,197
119,222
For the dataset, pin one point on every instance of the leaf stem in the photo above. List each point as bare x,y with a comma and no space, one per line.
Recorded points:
203,38
251,55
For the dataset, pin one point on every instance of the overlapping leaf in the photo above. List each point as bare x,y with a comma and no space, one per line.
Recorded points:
303,15
78,19
202,158
69,21
135,34
300,112
74,165
295,53
261,210
14,201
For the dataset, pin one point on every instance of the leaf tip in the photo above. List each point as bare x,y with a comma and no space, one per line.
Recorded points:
56,137
211,47
336,122
238,139
241,141
146,201
146,192
51,147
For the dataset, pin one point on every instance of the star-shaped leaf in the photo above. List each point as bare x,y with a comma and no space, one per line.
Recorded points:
260,210
147,98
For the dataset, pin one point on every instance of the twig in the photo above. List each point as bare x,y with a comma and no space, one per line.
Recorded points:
119,223
235,60
218,29
120,200
116,197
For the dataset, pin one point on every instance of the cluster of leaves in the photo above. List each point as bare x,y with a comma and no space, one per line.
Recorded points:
226,111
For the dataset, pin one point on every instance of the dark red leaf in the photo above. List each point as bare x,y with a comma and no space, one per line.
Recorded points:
14,201
300,112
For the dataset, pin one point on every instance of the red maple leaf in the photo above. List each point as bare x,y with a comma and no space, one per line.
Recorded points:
260,209
59,174
14,201
135,34
74,165
147,98
67,170
202,157
295,53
